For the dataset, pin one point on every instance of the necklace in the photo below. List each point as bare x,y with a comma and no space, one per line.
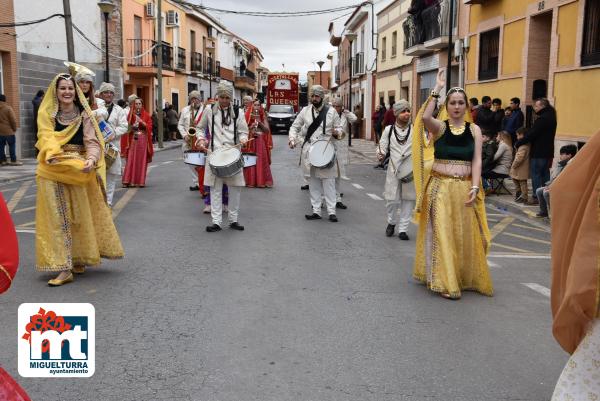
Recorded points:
68,117
457,130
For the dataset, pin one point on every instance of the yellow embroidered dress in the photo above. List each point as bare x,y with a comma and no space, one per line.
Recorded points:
453,239
74,225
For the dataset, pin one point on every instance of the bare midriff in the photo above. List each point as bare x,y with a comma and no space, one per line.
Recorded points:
452,168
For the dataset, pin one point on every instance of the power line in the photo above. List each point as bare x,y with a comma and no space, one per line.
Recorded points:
273,14
25,23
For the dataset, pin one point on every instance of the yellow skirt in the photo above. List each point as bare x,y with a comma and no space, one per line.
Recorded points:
74,226
451,253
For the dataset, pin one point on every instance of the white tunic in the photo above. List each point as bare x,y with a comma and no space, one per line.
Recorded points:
187,119
298,133
398,152
118,122
341,145
222,137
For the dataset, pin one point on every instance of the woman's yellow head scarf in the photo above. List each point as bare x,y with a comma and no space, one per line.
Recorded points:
54,164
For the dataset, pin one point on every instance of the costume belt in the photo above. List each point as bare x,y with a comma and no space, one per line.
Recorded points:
453,177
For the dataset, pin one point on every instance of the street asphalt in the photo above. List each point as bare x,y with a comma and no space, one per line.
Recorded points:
289,309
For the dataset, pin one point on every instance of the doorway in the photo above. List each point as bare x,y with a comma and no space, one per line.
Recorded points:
540,31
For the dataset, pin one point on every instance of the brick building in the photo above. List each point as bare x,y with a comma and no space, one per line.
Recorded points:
8,58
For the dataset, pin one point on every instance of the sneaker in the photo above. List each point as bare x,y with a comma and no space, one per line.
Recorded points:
304,187
3,163
206,209
213,228
403,236
17,163
194,188
313,216
521,200
389,230
236,226
340,205
333,218
541,215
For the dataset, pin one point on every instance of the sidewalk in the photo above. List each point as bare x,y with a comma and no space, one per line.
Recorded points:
27,170
504,202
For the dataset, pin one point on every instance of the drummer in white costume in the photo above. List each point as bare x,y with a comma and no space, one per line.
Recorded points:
117,119
226,131
190,117
399,192
322,180
347,118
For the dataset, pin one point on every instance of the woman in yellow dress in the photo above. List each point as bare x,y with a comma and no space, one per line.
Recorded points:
74,226
453,237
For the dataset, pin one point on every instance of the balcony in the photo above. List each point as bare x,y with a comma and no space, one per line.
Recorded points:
197,63
245,79
427,30
337,74
142,57
217,69
180,66
358,64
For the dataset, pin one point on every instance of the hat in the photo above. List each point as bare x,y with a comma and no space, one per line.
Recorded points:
87,76
337,101
106,87
401,106
225,89
194,95
248,98
132,98
317,90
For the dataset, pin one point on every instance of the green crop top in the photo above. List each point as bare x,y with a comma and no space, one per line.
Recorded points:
455,147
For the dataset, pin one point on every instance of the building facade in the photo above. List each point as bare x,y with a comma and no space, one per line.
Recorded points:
531,49
8,67
318,78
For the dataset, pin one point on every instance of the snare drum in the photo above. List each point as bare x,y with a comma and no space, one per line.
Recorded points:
194,158
110,155
249,159
321,154
226,162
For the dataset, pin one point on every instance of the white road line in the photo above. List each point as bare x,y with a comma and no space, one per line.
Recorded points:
26,231
494,265
538,288
357,186
169,162
513,256
373,196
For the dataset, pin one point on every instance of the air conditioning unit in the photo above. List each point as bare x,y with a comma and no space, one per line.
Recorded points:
172,18
150,10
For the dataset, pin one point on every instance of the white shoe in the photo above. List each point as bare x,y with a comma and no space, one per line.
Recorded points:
206,209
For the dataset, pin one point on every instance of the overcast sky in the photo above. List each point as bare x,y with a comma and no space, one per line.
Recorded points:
297,42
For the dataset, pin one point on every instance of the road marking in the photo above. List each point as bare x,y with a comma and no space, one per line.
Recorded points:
123,202
357,186
24,225
26,209
539,241
538,288
26,231
375,197
16,198
494,265
496,214
168,162
531,228
498,228
30,196
529,213
513,256
492,220
512,248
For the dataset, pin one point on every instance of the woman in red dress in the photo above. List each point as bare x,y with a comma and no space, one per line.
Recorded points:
259,175
137,146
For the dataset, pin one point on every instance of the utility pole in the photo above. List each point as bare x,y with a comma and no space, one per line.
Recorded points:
159,61
69,30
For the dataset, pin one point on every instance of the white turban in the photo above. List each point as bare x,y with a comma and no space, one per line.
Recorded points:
84,76
225,89
106,87
337,101
131,99
318,90
194,95
248,98
401,106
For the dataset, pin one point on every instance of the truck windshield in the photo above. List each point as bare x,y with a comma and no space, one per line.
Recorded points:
281,108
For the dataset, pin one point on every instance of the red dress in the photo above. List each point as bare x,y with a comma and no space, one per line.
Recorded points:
259,175
9,248
138,149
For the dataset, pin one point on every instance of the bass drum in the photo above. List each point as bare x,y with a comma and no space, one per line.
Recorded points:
321,154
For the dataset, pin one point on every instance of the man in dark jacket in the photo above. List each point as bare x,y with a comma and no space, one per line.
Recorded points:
490,146
541,136
498,114
485,116
36,101
516,119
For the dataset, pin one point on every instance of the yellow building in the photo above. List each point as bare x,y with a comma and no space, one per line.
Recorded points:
531,49
394,69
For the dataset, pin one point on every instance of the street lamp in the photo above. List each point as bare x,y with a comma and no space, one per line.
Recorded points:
320,64
107,7
351,38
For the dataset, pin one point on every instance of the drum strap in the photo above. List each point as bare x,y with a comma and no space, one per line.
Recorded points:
236,113
322,117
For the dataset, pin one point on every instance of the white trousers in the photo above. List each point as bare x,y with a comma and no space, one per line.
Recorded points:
338,195
320,187
194,174
111,182
406,208
216,202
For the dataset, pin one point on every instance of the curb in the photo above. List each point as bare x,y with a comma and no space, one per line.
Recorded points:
29,176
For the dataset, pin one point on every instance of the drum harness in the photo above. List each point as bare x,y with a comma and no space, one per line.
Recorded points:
322,117
236,113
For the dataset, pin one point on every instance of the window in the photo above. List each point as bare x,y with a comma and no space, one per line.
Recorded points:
590,51
394,43
383,48
192,41
488,54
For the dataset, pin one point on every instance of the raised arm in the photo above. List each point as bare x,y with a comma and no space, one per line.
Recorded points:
433,125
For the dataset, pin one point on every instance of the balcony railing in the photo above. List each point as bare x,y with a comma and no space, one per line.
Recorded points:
196,62
180,59
359,64
140,55
209,66
337,74
244,73
429,24
217,68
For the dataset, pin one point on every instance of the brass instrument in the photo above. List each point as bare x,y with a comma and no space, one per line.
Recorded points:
191,137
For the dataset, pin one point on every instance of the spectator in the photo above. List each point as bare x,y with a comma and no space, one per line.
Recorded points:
357,125
154,126
172,121
498,114
519,170
8,126
485,116
503,157
374,123
507,113
567,152
490,147
37,100
389,118
541,137
474,103
122,103
516,120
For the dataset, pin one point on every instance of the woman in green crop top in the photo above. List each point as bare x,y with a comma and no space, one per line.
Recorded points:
453,238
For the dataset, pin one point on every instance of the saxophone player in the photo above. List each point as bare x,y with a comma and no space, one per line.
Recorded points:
188,119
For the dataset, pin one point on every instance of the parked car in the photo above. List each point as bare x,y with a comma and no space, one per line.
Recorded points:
281,117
